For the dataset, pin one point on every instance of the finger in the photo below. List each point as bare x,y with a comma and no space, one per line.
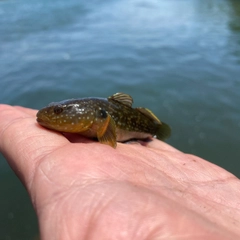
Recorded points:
23,142
27,111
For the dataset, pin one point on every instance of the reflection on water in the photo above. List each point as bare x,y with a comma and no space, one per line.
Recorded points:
234,24
179,58
235,17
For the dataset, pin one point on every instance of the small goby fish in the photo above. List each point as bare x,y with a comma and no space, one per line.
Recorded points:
109,120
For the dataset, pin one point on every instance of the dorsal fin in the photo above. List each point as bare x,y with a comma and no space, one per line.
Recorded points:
122,98
149,114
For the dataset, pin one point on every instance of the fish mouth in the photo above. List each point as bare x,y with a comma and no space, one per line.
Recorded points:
39,120
42,119
42,122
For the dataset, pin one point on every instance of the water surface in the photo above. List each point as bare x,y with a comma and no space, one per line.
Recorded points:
181,59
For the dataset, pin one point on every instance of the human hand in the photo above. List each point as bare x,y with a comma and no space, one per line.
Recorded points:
82,189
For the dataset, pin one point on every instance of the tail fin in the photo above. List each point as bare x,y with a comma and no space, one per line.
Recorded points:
163,132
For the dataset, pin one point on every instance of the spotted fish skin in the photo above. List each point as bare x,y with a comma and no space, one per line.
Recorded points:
108,119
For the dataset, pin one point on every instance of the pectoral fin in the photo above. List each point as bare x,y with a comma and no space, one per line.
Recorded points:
106,133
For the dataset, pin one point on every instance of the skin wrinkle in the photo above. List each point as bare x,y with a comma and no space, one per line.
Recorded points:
160,174
94,215
177,171
205,174
165,173
149,177
97,214
149,165
191,199
202,173
190,210
130,238
115,165
205,167
11,121
161,156
115,196
6,142
63,200
152,229
191,196
6,128
140,235
40,171
183,236
121,173
56,196
200,189
81,184
67,235
62,220
26,140
39,160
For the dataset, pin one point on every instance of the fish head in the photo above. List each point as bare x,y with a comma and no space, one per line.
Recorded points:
65,117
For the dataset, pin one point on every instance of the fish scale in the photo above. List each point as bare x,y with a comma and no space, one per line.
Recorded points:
109,119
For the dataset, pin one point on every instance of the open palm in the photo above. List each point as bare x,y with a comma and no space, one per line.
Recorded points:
82,189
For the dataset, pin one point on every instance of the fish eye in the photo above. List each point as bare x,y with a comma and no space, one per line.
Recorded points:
102,113
58,109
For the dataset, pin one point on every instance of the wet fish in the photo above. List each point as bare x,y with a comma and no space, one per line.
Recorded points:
109,119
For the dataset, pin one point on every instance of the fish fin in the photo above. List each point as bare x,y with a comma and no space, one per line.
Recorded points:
163,131
149,114
122,98
106,133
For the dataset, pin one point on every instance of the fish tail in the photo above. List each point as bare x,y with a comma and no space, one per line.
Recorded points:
163,131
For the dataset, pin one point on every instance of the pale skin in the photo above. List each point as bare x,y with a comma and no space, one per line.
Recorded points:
82,189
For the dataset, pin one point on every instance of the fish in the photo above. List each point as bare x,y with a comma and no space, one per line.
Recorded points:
110,120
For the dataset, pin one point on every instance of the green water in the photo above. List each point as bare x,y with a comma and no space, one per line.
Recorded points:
180,58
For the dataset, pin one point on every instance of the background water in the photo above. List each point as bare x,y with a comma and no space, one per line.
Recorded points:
181,59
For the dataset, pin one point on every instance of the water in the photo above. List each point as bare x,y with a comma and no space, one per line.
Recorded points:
181,59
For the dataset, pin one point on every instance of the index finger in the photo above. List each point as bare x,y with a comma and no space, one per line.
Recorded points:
23,142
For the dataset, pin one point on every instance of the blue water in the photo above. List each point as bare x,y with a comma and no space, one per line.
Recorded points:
181,59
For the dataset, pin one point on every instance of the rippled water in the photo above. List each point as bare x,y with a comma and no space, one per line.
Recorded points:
181,59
